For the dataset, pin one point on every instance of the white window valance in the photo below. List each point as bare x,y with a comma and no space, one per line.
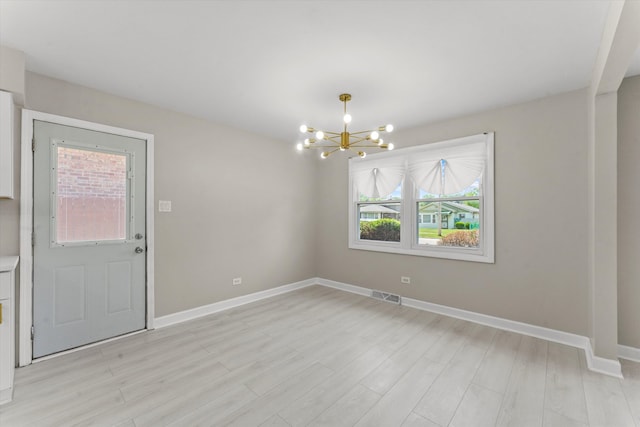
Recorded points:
378,178
434,168
448,170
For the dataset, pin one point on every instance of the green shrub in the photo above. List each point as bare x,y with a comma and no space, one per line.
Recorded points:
466,225
465,239
459,225
366,229
385,229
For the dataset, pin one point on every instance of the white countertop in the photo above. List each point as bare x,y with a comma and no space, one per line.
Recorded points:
8,263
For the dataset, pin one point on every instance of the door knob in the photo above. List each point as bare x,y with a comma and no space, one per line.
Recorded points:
139,250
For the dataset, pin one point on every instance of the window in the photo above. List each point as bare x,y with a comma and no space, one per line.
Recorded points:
91,194
430,200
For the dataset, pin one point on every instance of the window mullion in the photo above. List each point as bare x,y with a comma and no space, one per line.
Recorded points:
408,213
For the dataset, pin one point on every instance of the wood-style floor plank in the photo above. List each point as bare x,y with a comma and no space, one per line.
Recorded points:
348,409
319,356
396,405
479,408
523,403
439,404
564,392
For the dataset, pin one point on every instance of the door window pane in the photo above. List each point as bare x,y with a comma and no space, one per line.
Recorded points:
91,195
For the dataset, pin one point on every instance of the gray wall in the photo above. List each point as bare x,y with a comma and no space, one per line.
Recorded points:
12,80
213,174
540,274
628,206
242,204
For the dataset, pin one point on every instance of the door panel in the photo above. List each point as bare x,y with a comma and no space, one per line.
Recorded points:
69,294
119,287
89,203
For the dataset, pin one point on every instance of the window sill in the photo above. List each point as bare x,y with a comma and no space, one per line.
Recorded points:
459,254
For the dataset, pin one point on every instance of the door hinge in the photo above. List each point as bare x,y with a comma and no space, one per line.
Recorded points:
32,332
33,239
33,144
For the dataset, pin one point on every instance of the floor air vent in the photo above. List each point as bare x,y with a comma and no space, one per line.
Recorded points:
386,297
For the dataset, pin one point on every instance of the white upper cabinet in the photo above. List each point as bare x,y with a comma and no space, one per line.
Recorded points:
6,145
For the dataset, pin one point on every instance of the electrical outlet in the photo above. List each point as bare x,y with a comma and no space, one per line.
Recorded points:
237,281
405,279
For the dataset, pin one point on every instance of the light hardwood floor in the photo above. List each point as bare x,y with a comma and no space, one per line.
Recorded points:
323,357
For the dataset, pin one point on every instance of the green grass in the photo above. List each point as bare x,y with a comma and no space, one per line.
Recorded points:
432,233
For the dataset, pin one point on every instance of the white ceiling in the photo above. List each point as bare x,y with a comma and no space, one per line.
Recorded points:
268,66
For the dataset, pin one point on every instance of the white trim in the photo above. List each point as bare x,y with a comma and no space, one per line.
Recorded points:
151,242
407,244
629,353
25,356
594,363
6,395
205,310
600,364
344,287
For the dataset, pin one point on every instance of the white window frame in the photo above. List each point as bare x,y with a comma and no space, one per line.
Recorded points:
408,244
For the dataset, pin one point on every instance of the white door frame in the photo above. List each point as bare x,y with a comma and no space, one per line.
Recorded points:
25,355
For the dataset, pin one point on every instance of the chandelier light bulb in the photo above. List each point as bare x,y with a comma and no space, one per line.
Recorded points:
375,135
303,128
362,154
319,135
342,149
390,146
307,142
347,118
388,128
380,141
324,155
299,147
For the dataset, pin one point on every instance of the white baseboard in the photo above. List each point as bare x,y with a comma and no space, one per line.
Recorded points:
344,287
6,395
205,310
601,365
629,353
594,363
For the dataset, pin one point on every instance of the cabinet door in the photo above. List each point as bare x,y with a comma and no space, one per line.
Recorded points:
6,348
6,145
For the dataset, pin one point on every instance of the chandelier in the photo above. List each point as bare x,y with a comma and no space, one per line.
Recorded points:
331,142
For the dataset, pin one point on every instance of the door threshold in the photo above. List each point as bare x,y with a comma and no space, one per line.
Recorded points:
84,347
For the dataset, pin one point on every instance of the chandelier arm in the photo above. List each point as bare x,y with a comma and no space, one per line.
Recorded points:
325,147
332,133
361,132
360,139
367,146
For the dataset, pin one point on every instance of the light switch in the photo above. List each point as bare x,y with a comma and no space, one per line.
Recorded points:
164,206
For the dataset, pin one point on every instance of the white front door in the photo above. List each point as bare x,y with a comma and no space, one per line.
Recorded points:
89,236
